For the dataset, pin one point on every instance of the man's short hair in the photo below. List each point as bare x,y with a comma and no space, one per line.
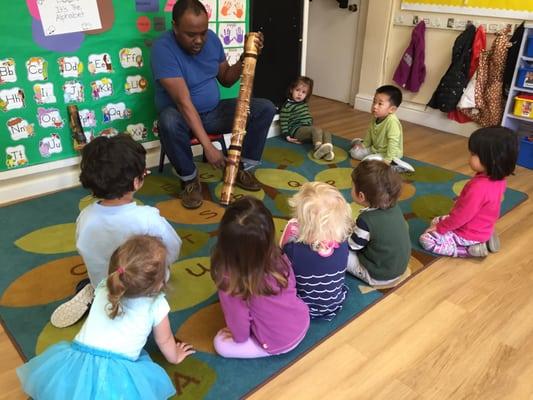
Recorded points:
182,6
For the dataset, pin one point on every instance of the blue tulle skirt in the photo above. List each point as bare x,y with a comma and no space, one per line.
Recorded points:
71,370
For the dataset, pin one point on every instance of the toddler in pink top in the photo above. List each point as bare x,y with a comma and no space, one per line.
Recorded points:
469,228
256,286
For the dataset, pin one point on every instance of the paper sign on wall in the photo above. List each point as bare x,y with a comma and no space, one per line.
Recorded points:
16,156
50,145
67,16
131,57
7,71
70,67
19,128
37,68
137,131
11,99
49,118
112,112
44,93
99,63
135,84
87,118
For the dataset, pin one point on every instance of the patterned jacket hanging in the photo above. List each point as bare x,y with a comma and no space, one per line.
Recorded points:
489,84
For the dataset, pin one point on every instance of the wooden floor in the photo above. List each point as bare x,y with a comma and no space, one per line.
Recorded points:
461,329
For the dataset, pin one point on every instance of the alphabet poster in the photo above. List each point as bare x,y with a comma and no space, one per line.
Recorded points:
94,54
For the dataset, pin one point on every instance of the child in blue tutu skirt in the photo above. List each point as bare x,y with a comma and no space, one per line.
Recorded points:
106,360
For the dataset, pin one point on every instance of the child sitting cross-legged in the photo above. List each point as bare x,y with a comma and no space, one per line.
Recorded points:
106,360
384,140
256,286
380,244
315,241
113,169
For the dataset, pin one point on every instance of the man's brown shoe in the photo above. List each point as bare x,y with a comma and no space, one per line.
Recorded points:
191,195
247,181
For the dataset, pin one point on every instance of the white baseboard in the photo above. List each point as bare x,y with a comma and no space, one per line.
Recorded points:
421,115
46,178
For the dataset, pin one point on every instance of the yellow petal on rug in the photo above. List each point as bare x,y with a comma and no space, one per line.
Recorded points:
340,156
192,378
52,239
190,283
237,193
207,213
192,241
283,156
201,327
279,226
282,204
366,289
51,335
341,178
45,283
280,178
408,191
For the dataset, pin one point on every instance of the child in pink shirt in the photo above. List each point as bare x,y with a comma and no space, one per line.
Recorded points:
469,228
256,286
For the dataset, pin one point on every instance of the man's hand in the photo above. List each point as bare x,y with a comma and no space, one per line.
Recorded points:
214,156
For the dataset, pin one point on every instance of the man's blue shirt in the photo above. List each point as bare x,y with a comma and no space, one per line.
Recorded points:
199,71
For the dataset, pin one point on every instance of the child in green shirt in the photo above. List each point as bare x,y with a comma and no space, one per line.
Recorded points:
384,140
296,121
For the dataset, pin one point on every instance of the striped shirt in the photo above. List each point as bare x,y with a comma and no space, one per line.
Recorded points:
319,280
294,115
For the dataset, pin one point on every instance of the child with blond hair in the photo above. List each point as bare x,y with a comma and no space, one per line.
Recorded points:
315,240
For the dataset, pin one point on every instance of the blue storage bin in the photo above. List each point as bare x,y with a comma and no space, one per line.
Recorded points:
524,78
525,155
529,47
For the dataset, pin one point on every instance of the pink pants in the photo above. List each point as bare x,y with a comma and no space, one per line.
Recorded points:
448,244
249,349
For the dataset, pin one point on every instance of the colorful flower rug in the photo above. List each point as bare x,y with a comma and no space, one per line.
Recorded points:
40,266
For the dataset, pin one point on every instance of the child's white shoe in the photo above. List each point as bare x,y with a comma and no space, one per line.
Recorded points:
356,141
330,156
401,166
323,150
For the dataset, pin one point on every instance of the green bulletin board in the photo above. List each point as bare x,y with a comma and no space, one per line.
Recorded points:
105,72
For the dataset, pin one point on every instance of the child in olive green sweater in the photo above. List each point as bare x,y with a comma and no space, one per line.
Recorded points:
296,121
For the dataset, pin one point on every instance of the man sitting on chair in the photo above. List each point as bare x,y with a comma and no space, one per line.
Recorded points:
187,62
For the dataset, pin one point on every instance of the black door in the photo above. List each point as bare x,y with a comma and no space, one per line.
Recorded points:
281,22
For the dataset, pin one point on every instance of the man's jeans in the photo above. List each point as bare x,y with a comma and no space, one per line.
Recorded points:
175,134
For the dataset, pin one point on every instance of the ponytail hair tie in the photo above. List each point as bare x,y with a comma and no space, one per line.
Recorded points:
120,270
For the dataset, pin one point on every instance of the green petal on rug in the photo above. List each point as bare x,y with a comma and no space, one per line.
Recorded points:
50,240
192,241
356,209
51,335
281,202
192,378
280,178
279,226
283,156
201,327
339,177
207,213
157,185
430,174
430,206
237,193
45,283
340,156
190,283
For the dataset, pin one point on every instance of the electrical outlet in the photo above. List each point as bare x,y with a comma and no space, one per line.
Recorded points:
435,22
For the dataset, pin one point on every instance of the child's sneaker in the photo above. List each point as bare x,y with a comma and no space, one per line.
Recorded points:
323,150
330,156
478,250
401,166
493,245
356,141
69,313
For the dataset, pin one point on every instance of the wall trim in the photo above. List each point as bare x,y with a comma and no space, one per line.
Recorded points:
417,114
41,179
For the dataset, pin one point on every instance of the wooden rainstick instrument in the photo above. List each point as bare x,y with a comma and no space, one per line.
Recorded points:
241,116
